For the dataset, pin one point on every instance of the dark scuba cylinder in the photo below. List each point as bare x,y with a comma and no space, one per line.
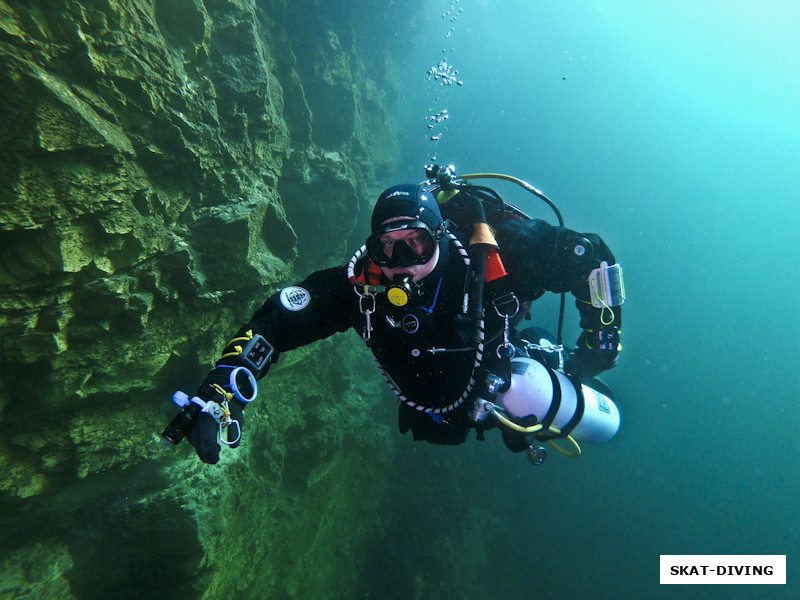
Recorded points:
553,398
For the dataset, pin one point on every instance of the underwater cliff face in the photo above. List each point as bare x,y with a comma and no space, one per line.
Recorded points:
164,166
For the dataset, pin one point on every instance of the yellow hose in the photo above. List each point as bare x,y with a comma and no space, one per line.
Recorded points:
539,427
519,182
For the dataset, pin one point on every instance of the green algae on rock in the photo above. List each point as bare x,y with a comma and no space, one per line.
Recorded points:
164,165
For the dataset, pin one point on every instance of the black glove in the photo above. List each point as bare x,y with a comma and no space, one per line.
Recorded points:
205,431
596,351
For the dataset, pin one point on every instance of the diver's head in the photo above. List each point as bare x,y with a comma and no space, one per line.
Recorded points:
407,227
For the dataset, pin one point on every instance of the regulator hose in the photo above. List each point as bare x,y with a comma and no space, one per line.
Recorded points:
528,187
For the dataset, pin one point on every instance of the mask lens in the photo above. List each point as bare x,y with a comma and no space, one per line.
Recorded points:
375,250
415,249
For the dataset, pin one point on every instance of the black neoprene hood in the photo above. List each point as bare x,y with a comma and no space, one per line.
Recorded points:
406,200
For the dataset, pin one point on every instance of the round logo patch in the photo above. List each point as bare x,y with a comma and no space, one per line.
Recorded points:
295,298
410,323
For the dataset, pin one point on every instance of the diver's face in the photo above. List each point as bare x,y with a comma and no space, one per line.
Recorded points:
409,247
417,240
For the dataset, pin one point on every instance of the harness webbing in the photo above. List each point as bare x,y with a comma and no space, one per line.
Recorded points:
478,352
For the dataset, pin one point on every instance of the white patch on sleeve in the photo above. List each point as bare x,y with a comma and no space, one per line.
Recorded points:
295,298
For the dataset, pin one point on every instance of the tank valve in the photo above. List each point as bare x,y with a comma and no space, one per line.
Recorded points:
537,454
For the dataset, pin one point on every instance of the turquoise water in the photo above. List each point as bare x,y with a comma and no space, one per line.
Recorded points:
672,129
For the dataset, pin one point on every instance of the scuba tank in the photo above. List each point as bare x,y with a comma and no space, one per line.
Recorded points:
552,397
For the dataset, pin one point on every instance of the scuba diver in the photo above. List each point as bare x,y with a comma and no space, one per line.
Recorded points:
438,292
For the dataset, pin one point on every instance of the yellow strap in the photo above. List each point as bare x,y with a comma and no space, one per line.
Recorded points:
227,395
586,339
248,335
226,412
238,350
606,309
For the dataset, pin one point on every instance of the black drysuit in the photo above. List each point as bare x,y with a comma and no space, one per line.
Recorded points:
426,347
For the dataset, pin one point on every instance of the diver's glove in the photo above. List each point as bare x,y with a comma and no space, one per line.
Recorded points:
596,351
215,412
229,388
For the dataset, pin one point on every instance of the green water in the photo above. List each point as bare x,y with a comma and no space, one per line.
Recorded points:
672,129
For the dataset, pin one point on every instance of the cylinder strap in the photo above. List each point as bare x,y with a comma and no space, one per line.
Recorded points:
576,417
555,405
579,409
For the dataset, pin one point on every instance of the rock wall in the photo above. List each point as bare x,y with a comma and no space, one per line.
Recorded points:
164,166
